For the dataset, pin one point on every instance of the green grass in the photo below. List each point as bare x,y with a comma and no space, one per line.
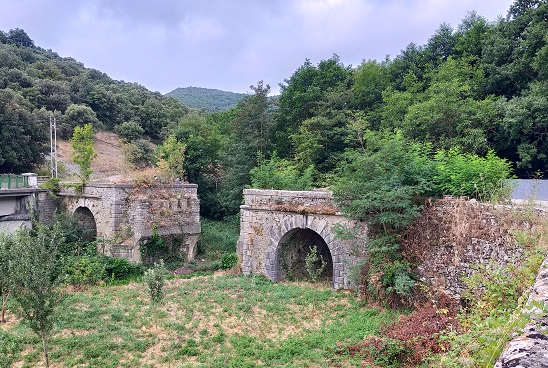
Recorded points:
218,237
223,321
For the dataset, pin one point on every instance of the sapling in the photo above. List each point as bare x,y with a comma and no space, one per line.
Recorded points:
6,245
35,276
311,261
312,269
155,279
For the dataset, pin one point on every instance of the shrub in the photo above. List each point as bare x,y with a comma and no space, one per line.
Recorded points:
139,153
86,270
155,279
129,130
466,174
382,184
157,246
120,268
314,264
229,260
278,173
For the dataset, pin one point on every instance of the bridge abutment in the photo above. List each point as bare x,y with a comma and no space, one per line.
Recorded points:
127,215
268,215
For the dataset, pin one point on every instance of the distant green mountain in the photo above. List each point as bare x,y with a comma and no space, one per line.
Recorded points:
207,99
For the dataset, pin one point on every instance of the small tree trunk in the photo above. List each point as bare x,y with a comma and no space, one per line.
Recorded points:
4,301
45,347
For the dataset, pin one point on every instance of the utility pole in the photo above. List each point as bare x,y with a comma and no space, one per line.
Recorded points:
53,145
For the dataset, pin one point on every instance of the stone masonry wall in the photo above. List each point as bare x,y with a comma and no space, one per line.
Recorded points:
171,210
453,237
268,215
46,206
126,215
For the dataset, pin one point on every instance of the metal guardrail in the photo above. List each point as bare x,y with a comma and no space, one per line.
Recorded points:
22,181
11,181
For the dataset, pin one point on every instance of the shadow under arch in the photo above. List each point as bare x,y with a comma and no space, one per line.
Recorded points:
292,250
85,222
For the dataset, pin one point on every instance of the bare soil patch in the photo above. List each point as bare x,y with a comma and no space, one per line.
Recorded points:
109,165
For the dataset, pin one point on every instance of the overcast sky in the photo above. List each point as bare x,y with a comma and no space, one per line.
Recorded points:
229,44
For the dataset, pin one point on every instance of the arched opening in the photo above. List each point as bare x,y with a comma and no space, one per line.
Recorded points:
293,249
85,223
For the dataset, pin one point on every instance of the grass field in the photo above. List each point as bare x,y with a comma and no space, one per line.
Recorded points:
211,321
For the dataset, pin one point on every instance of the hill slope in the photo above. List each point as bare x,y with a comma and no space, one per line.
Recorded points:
212,100
110,164
35,82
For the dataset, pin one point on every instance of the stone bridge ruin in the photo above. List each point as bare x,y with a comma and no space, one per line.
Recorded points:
127,215
277,229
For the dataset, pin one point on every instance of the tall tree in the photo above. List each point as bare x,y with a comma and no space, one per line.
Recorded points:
76,115
23,133
371,78
300,95
250,133
441,45
19,37
447,114
509,51
203,157
523,134
171,157
84,153
471,33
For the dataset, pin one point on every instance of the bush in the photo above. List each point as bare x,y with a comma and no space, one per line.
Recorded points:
120,268
383,184
278,173
139,153
466,174
228,261
87,270
129,130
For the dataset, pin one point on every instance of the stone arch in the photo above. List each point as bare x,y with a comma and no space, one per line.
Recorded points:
293,248
310,222
85,220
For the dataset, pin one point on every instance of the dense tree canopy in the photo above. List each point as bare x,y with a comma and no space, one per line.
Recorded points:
481,87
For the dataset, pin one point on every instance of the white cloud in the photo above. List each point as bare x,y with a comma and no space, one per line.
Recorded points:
196,29
229,45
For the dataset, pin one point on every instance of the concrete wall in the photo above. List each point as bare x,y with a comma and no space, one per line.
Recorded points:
15,207
267,215
126,215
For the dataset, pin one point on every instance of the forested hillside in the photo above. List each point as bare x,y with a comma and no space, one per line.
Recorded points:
35,82
478,90
206,99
